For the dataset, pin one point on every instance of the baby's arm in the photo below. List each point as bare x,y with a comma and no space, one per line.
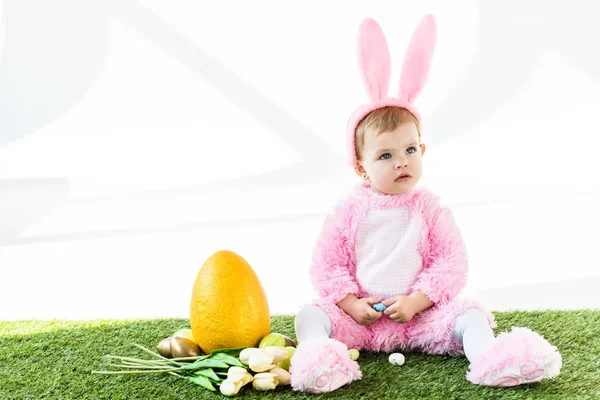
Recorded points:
420,301
445,271
403,308
330,273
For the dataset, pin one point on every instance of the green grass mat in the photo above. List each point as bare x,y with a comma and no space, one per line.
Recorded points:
53,360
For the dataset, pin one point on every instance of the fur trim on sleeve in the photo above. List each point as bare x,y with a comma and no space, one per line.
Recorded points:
445,263
334,263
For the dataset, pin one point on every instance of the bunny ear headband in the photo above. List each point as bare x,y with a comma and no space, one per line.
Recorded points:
374,62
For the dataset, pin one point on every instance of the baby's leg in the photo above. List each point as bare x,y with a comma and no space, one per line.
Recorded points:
473,330
320,364
514,358
312,322
463,326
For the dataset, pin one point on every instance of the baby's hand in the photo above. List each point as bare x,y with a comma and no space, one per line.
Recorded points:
399,308
362,310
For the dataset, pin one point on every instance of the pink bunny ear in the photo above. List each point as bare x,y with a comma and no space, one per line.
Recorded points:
417,60
374,60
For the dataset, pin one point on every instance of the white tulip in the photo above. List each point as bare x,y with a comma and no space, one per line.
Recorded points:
261,362
229,388
236,378
247,353
282,376
278,353
236,373
264,381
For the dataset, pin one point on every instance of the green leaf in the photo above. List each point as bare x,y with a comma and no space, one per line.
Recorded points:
235,352
202,381
210,374
206,363
226,358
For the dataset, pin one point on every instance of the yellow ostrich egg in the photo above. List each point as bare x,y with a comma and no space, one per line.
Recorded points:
229,307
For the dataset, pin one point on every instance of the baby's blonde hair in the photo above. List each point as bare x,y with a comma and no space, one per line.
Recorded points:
383,119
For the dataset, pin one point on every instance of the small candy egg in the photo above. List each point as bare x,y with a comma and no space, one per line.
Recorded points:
354,354
396,359
379,307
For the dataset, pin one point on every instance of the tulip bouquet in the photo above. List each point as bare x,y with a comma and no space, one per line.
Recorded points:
229,369
204,370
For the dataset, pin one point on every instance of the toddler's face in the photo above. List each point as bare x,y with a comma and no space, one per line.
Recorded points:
392,160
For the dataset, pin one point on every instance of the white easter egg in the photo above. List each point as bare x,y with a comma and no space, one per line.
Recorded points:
396,358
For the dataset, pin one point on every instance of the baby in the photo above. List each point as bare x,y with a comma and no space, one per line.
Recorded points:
392,242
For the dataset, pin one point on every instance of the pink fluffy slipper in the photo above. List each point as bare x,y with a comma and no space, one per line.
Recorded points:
519,357
322,365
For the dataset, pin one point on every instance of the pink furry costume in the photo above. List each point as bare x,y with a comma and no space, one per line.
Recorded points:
443,276
438,268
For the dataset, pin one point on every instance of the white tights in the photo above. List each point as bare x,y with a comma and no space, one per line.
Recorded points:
471,328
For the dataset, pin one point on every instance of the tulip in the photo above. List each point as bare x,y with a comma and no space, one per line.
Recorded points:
261,362
236,378
229,388
279,353
239,374
264,381
247,353
281,375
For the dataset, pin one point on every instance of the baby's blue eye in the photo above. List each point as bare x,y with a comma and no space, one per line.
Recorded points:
411,150
385,156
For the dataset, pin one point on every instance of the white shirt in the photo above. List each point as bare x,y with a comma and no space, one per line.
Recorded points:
387,255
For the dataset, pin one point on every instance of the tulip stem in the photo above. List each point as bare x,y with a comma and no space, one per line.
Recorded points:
157,355
136,360
135,372
193,358
143,366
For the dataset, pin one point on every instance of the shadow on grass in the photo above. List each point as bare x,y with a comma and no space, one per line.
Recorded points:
54,360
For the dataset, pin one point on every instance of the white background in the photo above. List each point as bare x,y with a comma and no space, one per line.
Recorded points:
139,137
